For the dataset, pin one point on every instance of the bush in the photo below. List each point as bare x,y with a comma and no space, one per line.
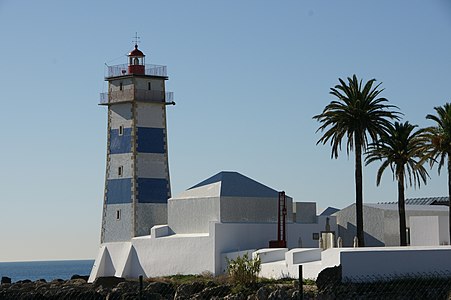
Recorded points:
243,270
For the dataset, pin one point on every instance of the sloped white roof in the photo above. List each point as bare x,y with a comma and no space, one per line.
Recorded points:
228,184
206,191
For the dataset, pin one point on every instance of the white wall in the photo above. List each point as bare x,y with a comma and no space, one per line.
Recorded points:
192,215
252,209
123,160
232,237
424,231
114,86
150,115
114,229
365,264
381,222
429,230
374,225
174,255
195,253
120,115
192,253
156,84
395,261
152,257
443,227
305,212
149,215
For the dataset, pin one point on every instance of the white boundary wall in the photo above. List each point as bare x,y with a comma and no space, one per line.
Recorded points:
359,263
163,253
150,257
395,261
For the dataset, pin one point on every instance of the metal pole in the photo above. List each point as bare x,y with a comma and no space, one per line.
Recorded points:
301,283
140,287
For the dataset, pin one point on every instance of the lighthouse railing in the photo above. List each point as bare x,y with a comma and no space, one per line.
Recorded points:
169,96
137,94
103,98
152,70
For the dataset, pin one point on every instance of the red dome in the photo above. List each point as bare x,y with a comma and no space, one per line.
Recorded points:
136,52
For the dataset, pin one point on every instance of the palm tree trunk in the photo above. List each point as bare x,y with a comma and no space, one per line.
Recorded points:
402,209
359,191
449,195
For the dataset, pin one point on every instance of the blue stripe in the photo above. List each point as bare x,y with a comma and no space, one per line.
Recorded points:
152,190
120,143
151,140
119,191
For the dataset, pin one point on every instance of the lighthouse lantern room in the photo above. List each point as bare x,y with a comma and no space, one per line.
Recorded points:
136,62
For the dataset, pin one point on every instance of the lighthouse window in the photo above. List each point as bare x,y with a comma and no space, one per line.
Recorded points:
120,86
149,86
121,130
120,170
118,214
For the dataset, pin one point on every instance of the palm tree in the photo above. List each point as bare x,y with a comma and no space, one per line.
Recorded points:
402,149
358,113
440,144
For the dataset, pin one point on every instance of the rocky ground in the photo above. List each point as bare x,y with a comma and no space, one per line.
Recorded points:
118,288
327,286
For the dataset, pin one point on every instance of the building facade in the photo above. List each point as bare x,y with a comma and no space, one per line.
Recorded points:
381,222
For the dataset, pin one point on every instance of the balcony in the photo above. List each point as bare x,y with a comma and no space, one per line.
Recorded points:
135,95
152,70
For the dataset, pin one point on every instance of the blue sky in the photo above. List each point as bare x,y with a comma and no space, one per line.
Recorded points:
247,75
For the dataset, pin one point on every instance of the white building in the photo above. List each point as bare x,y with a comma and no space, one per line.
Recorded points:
381,224
226,213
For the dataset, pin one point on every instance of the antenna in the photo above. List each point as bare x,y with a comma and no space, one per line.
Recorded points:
136,39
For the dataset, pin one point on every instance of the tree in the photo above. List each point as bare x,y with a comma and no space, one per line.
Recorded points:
440,144
402,149
358,113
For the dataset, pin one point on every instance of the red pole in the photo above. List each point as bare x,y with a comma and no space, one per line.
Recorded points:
284,213
278,219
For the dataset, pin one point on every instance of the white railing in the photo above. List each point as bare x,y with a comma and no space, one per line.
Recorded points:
153,70
169,96
105,97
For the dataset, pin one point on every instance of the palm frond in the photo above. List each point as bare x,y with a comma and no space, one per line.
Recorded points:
358,115
401,148
438,148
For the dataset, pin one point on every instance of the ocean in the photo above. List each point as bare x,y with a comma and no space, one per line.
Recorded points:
48,270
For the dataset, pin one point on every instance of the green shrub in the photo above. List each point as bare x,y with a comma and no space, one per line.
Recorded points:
243,270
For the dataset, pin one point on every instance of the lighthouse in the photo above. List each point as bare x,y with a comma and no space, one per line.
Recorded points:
145,231
137,184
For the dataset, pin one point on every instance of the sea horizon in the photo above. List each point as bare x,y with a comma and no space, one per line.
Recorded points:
48,260
45,269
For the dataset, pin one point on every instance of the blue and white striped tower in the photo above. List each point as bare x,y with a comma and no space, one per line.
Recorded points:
137,184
